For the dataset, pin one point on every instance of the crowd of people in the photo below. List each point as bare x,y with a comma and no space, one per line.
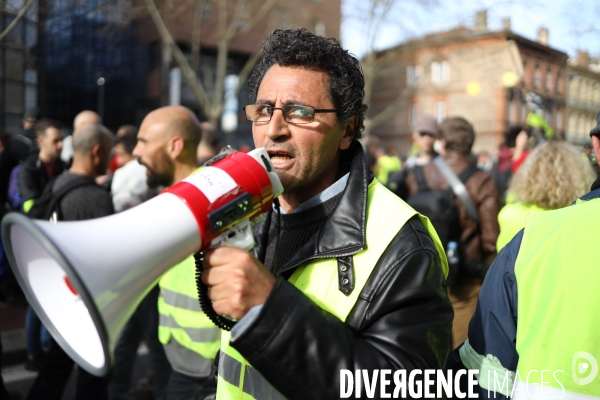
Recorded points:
366,261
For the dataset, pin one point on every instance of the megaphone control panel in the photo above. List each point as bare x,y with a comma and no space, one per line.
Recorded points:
230,212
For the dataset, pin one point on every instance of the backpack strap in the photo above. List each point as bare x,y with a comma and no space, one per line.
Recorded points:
420,178
60,193
467,173
458,187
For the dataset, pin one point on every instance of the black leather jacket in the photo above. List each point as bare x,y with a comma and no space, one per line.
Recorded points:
402,319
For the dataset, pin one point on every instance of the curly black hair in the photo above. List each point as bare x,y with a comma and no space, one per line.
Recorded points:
301,48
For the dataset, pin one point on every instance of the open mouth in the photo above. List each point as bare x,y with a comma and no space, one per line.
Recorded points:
279,156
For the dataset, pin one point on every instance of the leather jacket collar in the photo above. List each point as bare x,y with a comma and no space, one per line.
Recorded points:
344,232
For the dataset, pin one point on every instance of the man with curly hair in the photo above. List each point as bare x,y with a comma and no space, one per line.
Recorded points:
344,274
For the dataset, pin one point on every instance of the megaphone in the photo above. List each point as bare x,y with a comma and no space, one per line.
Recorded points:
85,279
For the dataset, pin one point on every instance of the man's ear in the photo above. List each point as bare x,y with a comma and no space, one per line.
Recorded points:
349,129
39,140
596,145
95,152
175,147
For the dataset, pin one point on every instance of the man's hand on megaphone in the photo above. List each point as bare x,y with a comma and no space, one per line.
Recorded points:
237,281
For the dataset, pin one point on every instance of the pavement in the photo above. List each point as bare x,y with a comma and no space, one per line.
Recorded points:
18,380
12,334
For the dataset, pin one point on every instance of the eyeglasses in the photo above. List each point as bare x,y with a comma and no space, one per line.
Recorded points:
291,113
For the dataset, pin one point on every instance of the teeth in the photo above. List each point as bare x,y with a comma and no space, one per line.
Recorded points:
279,158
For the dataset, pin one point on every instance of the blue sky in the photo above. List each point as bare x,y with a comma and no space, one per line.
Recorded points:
569,21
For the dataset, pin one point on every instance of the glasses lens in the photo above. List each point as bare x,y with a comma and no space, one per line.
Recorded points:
299,114
258,112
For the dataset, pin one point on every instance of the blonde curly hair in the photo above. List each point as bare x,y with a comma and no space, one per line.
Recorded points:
553,176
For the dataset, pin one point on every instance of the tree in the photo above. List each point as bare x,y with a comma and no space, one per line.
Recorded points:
16,20
233,19
375,63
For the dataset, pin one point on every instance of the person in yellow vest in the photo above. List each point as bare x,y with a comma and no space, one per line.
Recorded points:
385,165
167,142
535,331
553,176
344,274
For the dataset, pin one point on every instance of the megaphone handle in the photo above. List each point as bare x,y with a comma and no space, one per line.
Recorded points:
205,303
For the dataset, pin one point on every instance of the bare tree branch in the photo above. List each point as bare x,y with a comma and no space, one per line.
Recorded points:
187,71
243,75
196,32
16,20
264,9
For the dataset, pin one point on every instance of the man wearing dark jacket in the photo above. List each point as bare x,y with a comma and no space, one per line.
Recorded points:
477,239
40,167
344,275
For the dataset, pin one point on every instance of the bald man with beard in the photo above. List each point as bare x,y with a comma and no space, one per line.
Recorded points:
167,143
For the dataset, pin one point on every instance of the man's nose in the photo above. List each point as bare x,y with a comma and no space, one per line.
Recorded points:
278,126
136,151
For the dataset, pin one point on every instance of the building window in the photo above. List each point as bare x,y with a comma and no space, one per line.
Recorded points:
537,77
440,72
559,119
413,73
548,80
440,111
572,125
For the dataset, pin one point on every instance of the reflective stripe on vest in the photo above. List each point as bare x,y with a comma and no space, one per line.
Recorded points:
558,281
318,279
180,316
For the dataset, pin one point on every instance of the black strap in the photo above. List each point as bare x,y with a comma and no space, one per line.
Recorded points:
467,173
458,187
60,193
420,177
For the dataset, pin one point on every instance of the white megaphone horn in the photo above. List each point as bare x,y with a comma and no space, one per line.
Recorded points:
85,279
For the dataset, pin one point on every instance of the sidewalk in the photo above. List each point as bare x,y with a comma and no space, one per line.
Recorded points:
12,334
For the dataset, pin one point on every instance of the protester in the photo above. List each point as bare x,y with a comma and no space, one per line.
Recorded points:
313,298
484,161
534,313
167,144
386,164
553,176
15,150
116,161
91,146
209,145
426,132
83,118
28,124
128,184
511,155
129,188
40,167
474,235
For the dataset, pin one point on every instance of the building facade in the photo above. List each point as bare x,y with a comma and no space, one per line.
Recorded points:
19,63
251,24
583,97
480,75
